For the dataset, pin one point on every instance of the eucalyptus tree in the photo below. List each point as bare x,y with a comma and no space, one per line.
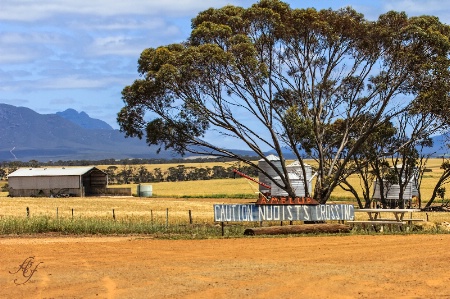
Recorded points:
273,77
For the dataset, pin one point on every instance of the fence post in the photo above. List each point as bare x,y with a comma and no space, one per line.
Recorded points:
167,217
72,214
28,212
222,224
190,217
114,215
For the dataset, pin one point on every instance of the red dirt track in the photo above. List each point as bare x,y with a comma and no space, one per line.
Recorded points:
381,266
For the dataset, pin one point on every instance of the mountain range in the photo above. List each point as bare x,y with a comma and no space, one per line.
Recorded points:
70,135
27,135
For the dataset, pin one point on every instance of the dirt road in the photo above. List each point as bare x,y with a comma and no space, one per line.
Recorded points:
396,266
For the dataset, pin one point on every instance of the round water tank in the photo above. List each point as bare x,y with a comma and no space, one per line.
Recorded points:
145,190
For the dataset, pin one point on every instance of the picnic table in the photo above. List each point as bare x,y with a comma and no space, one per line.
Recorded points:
397,218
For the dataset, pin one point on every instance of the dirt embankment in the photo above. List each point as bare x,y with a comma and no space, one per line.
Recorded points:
397,266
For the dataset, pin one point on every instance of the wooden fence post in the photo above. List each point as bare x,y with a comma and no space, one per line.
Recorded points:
167,217
190,217
222,224
72,214
114,215
28,212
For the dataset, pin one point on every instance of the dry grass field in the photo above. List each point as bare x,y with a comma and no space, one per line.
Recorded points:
242,186
372,265
139,209
178,197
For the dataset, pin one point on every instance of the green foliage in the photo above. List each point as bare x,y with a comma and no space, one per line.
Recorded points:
326,82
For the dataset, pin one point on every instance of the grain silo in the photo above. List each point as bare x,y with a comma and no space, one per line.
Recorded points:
296,168
392,191
263,164
297,184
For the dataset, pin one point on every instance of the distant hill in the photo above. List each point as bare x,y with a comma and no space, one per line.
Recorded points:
83,120
27,135
70,135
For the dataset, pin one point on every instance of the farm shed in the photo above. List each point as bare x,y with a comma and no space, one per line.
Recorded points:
56,181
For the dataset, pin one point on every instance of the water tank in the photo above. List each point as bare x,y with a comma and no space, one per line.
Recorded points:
393,191
263,164
296,168
144,190
297,185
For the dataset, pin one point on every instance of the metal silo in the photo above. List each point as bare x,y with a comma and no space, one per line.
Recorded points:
296,182
392,191
269,170
296,168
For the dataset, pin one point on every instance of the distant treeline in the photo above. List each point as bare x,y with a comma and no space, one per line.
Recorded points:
130,171
129,174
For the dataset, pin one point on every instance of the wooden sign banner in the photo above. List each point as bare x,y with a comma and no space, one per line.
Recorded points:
252,212
285,200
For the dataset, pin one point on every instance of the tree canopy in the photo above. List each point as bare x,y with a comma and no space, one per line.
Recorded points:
320,83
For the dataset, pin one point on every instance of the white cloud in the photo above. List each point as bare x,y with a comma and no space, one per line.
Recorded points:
15,55
76,82
64,102
437,8
117,23
21,47
31,10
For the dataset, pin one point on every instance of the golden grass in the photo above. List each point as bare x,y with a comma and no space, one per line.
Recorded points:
178,197
244,186
102,207
143,209
204,188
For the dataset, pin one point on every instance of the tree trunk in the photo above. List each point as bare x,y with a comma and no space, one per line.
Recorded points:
298,229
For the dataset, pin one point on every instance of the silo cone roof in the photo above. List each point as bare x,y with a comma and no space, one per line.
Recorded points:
271,158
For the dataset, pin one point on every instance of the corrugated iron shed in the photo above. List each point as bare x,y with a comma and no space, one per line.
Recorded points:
51,171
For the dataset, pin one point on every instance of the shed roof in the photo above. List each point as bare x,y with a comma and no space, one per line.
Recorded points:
51,171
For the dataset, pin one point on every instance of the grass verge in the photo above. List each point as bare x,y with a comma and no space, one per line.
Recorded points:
15,226
96,226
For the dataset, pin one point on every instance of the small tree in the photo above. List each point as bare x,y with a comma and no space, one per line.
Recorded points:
143,175
111,172
126,174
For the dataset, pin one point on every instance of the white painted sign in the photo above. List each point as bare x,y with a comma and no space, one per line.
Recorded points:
252,212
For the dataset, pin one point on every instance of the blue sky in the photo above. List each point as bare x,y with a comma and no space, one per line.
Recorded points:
80,54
